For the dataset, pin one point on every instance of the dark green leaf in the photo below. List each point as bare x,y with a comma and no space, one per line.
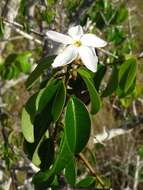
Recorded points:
46,94
43,179
46,153
77,125
64,155
70,172
99,76
59,101
112,83
1,28
94,97
43,64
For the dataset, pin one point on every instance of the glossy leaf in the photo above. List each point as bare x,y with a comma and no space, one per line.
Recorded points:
94,97
112,83
43,64
77,125
27,126
59,101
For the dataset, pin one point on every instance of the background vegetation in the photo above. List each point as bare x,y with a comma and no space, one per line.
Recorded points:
118,161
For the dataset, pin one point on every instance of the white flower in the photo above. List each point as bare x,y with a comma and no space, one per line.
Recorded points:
77,44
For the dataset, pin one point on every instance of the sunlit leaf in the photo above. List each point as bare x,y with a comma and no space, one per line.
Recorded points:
27,126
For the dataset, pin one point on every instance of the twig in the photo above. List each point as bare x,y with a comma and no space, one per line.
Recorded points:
93,172
24,34
108,53
137,173
11,39
12,83
16,24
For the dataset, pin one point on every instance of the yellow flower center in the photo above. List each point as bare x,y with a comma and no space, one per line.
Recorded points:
77,43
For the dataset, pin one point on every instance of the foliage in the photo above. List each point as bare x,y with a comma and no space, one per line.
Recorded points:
56,119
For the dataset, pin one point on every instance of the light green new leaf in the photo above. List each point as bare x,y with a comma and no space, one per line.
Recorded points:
77,125
94,97
59,101
27,126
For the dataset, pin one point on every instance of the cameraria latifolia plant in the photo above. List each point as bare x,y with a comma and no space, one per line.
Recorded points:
56,120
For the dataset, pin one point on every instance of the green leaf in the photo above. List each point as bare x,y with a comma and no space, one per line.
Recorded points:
59,101
44,153
122,14
112,83
46,94
43,64
23,61
1,28
85,72
43,179
140,151
127,74
88,182
77,125
63,156
99,76
70,172
27,126
94,97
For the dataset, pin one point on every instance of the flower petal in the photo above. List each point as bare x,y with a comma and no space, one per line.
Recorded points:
58,37
92,40
66,57
88,57
75,32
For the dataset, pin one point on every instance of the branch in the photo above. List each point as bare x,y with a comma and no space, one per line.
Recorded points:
136,180
24,34
12,83
91,169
